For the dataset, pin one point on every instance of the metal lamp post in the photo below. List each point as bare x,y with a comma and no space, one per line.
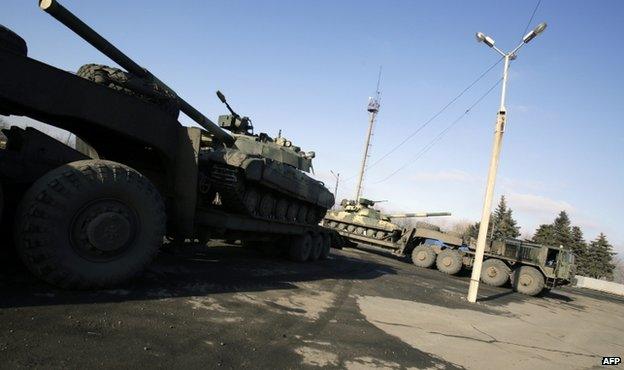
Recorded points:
496,148
337,177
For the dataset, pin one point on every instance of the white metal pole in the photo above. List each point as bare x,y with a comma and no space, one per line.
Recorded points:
489,190
336,188
371,122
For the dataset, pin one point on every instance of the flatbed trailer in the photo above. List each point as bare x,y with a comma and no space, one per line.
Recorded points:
530,267
94,218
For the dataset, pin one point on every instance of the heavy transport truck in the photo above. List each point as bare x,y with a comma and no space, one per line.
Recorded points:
529,267
95,217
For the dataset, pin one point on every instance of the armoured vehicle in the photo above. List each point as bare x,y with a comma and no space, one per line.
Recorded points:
361,221
96,216
529,267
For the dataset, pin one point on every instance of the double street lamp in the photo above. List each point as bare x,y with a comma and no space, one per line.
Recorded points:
498,138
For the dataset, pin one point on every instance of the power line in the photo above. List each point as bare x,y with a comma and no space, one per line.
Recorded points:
430,145
438,113
532,16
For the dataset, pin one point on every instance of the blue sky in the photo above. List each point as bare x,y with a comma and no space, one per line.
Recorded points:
308,67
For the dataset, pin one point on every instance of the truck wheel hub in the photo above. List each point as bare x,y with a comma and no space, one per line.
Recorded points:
109,231
103,230
422,255
447,261
491,272
526,280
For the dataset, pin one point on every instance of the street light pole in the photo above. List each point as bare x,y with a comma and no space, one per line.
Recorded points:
496,149
337,177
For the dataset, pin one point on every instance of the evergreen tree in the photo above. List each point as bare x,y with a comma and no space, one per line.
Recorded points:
563,230
556,234
579,248
599,258
545,234
504,226
501,226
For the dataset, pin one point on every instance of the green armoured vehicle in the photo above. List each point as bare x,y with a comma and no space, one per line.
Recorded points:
361,222
94,218
530,267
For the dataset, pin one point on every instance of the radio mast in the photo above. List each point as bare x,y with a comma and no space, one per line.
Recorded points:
373,109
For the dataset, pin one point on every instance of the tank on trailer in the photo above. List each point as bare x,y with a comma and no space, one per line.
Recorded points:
102,221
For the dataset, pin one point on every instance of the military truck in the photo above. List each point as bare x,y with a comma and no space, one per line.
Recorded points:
530,267
96,217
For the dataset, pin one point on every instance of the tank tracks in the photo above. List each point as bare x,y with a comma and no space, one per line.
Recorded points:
370,233
239,196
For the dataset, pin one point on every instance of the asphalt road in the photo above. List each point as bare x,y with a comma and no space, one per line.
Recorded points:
229,307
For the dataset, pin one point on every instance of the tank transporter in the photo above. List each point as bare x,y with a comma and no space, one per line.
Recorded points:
95,218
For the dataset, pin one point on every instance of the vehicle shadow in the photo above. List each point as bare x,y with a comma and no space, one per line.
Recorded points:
190,271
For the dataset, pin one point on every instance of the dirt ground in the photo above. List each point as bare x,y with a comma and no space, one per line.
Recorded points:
218,306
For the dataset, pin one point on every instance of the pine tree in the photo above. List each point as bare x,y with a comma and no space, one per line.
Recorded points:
501,226
579,248
563,230
504,226
599,258
545,234
556,234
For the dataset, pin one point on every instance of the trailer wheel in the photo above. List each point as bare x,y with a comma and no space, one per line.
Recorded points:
129,84
300,248
494,272
423,256
327,241
527,280
90,224
11,41
317,247
449,261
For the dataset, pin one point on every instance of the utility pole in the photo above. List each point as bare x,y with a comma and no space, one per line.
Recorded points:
496,148
337,177
373,109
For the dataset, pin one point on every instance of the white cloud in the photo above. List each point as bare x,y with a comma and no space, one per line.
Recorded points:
446,176
537,204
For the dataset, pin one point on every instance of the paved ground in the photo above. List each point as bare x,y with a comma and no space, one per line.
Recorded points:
234,308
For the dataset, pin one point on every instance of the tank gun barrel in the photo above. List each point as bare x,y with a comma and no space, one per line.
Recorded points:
72,22
420,214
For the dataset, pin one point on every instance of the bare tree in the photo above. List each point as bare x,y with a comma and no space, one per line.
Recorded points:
618,272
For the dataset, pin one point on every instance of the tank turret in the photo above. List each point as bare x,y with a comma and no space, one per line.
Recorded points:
420,214
362,219
239,171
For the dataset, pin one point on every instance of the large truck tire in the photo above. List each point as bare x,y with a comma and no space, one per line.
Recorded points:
527,280
90,224
11,41
494,272
449,261
300,248
423,256
119,80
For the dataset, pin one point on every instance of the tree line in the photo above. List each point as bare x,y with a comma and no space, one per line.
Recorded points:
594,259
